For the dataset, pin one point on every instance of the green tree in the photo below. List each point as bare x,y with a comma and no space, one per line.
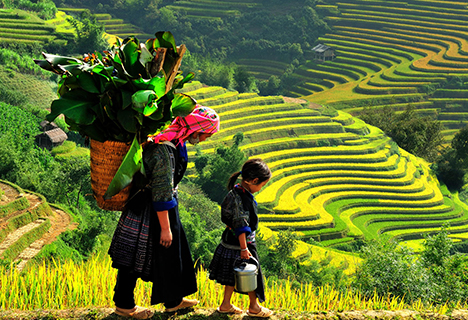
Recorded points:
452,163
279,263
460,145
74,179
388,268
421,136
244,82
214,170
89,33
201,218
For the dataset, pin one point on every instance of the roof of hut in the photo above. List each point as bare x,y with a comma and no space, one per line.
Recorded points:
56,135
46,125
320,48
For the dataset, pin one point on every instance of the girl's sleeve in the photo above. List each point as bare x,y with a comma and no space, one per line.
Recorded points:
234,215
161,179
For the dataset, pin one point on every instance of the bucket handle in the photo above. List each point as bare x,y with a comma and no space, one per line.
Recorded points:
251,258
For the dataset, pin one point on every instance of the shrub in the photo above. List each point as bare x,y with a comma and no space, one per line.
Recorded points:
391,269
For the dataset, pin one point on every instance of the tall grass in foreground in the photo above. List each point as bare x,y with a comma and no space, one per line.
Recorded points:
70,285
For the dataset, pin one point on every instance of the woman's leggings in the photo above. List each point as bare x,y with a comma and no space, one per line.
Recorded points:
124,287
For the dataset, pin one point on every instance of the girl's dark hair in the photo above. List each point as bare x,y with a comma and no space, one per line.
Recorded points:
253,168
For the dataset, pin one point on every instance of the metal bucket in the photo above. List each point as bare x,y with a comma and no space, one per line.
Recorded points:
245,275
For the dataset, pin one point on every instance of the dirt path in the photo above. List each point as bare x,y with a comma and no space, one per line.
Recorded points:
60,222
211,314
9,194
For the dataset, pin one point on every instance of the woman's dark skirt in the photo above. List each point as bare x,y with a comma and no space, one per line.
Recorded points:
222,268
135,248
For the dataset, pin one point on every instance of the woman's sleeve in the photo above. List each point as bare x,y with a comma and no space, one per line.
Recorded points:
234,215
161,179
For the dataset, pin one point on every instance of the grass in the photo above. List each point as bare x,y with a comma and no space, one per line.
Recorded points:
90,284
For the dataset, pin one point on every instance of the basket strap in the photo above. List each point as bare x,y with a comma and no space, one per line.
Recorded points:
170,149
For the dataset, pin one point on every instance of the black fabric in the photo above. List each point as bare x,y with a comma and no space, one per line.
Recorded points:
222,268
174,273
132,246
249,204
136,252
123,291
172,304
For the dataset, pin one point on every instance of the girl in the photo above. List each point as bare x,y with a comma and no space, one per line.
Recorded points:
239,213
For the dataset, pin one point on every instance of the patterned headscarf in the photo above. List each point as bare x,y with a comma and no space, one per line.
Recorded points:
201,119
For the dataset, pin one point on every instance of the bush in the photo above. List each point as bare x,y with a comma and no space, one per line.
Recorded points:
390,269
279,263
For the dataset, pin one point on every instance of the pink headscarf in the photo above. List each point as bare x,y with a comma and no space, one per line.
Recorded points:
201,119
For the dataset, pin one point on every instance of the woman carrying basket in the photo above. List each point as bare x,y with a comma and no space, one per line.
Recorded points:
149,241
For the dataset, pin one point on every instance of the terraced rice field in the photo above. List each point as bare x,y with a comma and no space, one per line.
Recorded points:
212,9
27,223
17,26
393,53
113,27
335,178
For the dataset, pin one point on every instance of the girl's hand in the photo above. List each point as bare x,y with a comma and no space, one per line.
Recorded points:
245,255
166,238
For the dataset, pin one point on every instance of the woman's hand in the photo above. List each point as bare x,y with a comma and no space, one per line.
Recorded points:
245,255
166,235
166,238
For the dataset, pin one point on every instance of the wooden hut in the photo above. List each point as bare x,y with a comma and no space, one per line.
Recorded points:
51,138
46,125
323,53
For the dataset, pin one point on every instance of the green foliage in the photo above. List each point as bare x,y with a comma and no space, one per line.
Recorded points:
201,220
215,169
210,71
244,82
195,201
390,269
25,240
436,276
89,33
420,136
24,63
452,163
45,8
279,263
21,125
460,145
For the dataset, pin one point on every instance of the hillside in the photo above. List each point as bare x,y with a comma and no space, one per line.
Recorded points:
20,88
335,178
21,27
393,53
27,224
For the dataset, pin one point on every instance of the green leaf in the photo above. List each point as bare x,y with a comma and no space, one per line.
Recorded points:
179,84
157,84
182,105
126,98
166,40
142,98
145,55
131,164
130,56
44,64
77,105
61,60
151,110
127,120
88,83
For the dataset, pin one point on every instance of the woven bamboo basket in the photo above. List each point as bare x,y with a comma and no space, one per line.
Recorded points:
106,158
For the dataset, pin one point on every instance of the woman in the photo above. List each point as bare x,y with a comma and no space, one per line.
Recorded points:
149,242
